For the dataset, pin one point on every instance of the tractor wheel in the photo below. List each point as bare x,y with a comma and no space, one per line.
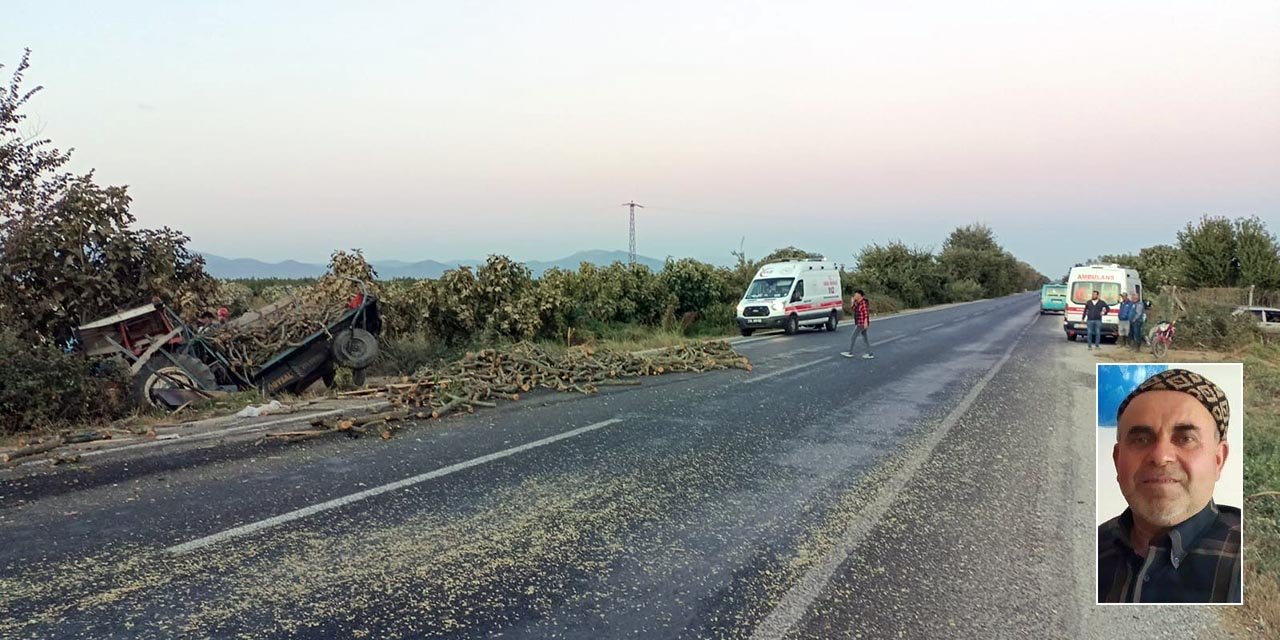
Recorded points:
161,373
355,348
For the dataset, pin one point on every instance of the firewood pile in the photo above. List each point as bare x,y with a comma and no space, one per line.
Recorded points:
251,341
480,379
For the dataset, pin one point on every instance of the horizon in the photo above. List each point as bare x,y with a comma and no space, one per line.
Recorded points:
284,132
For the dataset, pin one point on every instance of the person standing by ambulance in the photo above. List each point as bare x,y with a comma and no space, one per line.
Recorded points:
1127,310
1094,310
861,321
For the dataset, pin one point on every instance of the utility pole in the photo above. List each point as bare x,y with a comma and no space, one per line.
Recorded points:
632,247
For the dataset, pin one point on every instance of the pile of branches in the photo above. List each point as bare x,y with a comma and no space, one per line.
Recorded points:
250,342
480,379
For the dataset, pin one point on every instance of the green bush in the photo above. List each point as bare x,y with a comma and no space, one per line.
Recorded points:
1213,327
695,285
963,290
41,387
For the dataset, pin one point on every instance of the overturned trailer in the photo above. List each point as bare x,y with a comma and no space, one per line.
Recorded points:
171,362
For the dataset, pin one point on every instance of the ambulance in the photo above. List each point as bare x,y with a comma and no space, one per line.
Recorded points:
792,294
1108,280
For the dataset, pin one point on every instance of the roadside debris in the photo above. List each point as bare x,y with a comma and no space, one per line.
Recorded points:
273,407
479,379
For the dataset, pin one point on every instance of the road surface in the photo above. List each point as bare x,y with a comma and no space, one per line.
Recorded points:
941,490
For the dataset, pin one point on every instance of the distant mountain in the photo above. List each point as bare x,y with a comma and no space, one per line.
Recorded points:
220,267
230,268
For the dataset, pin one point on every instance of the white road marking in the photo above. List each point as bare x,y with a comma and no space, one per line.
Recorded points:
796,601
932,326
253,527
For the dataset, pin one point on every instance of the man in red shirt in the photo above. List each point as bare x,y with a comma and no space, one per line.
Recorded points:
862,320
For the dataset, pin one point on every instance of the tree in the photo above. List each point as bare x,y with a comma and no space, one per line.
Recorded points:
68,251
789,253
696,285
1029,279
910,275
976,237
972,253
1123,259
1159,265
1257,254
1209,253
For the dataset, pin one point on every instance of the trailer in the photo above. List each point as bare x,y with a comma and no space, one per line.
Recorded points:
171,361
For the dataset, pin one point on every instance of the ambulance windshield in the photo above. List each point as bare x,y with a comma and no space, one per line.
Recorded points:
766,288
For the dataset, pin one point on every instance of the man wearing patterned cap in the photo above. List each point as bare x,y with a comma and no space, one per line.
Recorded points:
1173,543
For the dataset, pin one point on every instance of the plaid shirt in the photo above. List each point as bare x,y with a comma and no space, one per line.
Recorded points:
862,313
1197,561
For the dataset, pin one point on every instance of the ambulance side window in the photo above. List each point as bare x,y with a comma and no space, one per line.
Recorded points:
799,292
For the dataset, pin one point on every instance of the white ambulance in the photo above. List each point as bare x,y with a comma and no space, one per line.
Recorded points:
792,294
1108,280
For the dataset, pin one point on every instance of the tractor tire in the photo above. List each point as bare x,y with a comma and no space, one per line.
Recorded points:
355,348
159,369
358,377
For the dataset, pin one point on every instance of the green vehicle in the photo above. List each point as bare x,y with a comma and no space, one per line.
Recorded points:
1053,299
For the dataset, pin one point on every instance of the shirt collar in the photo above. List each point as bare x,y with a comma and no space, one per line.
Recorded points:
1182,536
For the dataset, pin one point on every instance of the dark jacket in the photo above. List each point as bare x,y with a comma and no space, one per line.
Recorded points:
1095,309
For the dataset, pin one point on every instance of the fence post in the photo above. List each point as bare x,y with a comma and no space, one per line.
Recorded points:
1251,295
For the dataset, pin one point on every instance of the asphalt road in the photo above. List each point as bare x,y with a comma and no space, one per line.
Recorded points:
943,489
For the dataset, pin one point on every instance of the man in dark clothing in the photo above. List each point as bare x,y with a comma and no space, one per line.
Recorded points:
1173,544
861,321
1094,310
1137,324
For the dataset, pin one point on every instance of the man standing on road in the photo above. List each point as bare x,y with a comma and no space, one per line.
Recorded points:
1126,317
861,320
1093,312
1173,544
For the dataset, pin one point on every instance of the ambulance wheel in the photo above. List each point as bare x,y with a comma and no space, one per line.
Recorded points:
792,327
747,332
832,321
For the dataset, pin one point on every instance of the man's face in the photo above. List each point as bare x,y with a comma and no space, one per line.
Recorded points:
1095,295
1168,457
857,297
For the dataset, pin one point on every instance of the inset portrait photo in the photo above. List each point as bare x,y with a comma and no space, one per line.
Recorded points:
1170,483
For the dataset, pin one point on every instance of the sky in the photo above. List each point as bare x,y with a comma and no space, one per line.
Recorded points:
452,130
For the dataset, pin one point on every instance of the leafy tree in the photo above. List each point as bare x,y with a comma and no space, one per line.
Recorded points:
789,253
1159,265
1124,260
911,275
1208,250
1257,254
68,249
